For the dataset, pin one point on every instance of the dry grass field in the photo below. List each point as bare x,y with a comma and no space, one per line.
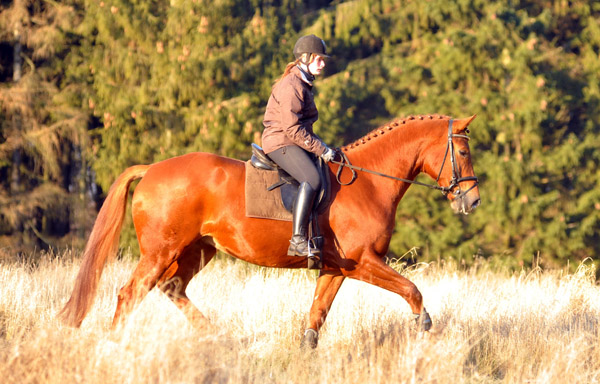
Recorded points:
491,327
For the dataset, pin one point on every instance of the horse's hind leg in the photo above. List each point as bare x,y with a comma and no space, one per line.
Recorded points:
143,279
176,279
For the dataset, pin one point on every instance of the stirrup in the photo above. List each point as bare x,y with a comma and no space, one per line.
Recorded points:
316,244
313,248
314,255
314,263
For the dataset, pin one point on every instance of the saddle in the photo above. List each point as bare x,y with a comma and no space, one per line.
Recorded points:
288,185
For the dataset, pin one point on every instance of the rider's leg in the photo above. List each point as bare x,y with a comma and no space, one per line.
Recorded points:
298,164
301,215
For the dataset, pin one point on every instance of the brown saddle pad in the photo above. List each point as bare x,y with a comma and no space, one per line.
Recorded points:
261,203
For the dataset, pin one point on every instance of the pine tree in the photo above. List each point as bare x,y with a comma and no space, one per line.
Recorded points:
105,85
37,132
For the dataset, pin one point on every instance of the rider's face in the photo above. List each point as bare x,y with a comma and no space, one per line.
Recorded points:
316,66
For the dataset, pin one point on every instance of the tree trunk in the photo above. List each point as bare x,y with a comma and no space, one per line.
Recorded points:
15,177
15,180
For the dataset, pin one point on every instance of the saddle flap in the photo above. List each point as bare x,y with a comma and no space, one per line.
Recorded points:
287,185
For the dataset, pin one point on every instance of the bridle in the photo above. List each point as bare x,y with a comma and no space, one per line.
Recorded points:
453,187
456,178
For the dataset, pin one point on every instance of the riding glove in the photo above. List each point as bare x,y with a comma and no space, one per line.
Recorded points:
328,155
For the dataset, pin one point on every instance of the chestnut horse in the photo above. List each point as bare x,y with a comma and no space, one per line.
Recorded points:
188,207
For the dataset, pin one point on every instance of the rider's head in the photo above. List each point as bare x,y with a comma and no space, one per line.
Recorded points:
311,52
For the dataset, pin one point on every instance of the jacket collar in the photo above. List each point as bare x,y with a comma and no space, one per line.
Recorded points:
306,77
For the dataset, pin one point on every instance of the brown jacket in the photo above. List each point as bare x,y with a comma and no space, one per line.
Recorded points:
290,114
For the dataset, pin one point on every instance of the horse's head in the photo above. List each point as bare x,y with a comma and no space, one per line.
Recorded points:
449,162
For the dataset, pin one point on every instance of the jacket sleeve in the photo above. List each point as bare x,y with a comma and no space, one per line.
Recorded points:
292,105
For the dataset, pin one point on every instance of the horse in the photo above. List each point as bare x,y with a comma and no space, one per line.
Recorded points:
187,208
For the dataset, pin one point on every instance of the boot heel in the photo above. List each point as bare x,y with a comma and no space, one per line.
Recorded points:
291,251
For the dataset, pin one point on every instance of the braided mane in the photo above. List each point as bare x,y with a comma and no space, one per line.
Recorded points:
390,126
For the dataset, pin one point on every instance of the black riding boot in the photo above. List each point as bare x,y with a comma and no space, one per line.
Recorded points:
302,210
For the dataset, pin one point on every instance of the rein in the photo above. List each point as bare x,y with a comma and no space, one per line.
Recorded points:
456,179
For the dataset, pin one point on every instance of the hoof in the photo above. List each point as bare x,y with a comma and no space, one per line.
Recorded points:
310,339
423,321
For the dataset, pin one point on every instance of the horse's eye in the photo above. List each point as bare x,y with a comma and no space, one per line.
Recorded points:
463,152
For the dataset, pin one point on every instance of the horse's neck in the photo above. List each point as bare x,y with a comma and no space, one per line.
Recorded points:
396,152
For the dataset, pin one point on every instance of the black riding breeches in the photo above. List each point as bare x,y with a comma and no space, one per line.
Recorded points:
297,163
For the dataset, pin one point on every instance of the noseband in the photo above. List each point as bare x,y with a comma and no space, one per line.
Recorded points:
454,183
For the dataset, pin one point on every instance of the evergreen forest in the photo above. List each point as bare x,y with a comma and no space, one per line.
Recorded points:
89,87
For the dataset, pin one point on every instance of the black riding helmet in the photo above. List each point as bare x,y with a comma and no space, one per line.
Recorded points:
310,44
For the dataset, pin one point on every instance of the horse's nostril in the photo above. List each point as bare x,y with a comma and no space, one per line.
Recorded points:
475,204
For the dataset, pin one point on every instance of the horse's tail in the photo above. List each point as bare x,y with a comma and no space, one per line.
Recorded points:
102,244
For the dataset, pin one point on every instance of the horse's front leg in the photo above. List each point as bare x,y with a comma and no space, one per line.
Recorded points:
371,269
328,285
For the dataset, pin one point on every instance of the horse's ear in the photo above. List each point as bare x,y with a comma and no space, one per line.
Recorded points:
461,124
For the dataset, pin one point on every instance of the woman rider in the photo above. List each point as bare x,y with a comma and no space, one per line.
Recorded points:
288,138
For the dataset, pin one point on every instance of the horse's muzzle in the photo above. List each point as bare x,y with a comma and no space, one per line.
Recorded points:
465,204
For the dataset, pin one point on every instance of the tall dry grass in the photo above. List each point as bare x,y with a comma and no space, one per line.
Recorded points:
539,327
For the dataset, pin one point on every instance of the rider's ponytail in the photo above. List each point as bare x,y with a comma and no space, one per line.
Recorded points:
288,69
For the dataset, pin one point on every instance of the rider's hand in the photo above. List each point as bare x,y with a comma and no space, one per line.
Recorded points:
328,155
